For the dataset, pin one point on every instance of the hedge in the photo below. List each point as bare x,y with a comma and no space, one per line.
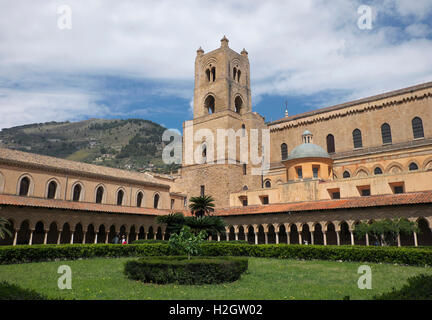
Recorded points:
402,255
180,270
13,292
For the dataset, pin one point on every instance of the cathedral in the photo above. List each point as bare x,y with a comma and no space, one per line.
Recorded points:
307,178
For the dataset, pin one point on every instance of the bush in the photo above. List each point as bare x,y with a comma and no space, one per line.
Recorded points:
144,241
13,292
181,270
34,253
418,288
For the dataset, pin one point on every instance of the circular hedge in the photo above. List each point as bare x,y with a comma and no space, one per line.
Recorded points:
181,270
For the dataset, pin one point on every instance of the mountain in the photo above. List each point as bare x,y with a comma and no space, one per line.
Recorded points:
132,144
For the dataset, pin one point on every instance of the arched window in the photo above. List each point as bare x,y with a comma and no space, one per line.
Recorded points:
139,199
238,102
238,75
76,193
234,73
120,195
52,189
413,166
209,104
156,201
99,194
284,151
208,75
386,133
357,139
24,186
245,188
330,144
267,184
244,169
417,126
346,175
213,71
378,171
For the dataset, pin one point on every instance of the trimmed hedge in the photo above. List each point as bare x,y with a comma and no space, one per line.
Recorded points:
33,253
417,288
13,292
180,270
144,241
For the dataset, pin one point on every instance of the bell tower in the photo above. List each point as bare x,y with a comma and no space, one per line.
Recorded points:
214,162
222,81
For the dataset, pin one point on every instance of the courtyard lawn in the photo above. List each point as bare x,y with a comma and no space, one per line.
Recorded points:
103,278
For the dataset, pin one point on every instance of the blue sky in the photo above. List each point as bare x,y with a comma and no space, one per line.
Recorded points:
133,59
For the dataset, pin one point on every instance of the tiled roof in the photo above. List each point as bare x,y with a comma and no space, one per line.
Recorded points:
80,206
359,202
9,156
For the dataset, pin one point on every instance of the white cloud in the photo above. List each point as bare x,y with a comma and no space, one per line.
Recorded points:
295,47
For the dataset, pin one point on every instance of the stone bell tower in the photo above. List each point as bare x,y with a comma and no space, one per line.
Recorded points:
222,103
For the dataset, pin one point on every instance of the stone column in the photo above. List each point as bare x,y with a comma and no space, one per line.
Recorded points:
31,237
312,237
300,238
127,237
59,236
96,237
367,239
136,235
106,236
266,237
352,237
325,237
256,238
15,238
398,240
72,236
288,237
45,236
415,239
84,237
277,237
236,235
338,237
218,237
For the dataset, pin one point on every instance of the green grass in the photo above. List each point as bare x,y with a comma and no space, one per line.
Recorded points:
103,278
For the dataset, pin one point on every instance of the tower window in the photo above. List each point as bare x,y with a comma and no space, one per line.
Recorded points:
284,151
209,104
417,126
208,75
330,144
234,73
299,173
267,184
238,75
213,71
244,169
202,191
238,103
315,172
357,139
346,175
386,133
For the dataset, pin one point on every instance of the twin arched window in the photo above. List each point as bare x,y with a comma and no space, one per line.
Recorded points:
236,74
211,74
386,133
284,151
417,126
357,139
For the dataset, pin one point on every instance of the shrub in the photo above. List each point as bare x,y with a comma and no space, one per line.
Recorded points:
188,242
181,270
144,241
418,288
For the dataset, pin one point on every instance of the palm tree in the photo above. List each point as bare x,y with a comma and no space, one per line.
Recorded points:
3,228
200,206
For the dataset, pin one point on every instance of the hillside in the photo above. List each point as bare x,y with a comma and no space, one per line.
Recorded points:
132,144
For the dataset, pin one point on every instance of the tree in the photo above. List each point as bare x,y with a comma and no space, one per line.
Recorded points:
4,228
188,242
385,232
174,222
201,206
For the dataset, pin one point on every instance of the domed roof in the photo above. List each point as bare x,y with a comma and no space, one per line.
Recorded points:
308,150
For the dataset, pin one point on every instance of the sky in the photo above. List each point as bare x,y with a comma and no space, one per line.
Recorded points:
135,59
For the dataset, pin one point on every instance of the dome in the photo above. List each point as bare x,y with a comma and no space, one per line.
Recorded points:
308,150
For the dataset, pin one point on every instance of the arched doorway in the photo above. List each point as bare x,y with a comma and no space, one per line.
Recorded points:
282,234
271,235
251,235
78,234
66,234
306,236
39,233
261,235
331,234
53,233
294,235
425,235
318,235
101,234
345,235
231,235
90,235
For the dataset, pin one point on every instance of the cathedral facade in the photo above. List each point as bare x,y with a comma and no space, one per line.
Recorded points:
307,178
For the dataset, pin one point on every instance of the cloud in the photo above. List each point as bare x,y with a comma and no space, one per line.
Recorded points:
296,48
